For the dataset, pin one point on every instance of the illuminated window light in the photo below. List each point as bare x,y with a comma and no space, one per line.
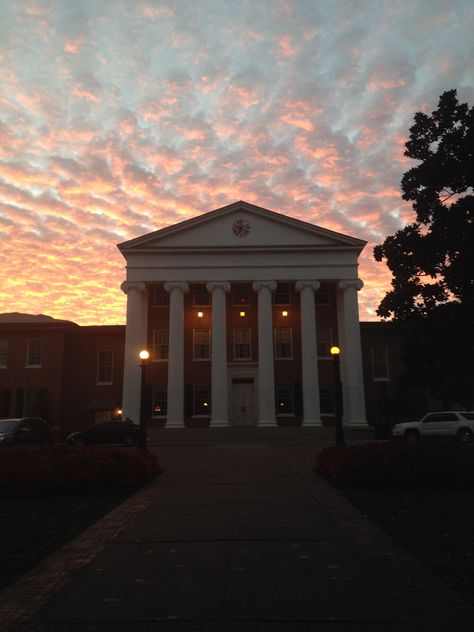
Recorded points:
284,313
242,314
200,314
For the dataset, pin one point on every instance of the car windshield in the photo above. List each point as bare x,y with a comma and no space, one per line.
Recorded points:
7,425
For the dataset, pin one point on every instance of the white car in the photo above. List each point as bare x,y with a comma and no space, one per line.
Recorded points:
459,425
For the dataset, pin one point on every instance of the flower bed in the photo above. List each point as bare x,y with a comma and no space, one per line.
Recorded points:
399,464
56,470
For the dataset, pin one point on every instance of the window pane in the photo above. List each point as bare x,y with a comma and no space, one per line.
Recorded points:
242,344
160,401
241,294
283,342
380,369
202,400
326,400
285,401
200,294
282,295
160,296
324,341
160,344
323,295
3,352
104,366
202,344
35,352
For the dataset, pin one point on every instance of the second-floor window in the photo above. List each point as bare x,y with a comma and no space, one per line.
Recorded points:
105,362
324,341
242,344
34,354
200,294
380,367
201,344
3,352
161,298
283,342
160,344
282,295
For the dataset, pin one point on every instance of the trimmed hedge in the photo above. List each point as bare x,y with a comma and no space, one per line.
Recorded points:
399,465
63,470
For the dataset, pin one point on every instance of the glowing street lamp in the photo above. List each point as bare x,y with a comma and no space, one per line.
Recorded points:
338,404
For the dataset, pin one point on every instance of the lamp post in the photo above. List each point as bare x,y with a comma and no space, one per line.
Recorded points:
335,352
144,356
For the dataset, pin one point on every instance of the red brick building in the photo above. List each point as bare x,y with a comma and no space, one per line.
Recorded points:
73,375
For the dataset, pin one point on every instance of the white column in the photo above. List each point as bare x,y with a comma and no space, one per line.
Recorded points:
219,401
351,353
135,341
175,414
309,353
266,372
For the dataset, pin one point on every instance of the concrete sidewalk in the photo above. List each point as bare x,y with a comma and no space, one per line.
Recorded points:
235,536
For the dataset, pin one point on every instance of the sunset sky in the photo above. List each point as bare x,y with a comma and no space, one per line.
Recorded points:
120,117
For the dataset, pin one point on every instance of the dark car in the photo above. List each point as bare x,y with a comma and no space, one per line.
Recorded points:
109,432
25,431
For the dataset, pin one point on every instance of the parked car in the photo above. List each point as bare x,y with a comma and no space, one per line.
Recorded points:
25,431
454,424
109,432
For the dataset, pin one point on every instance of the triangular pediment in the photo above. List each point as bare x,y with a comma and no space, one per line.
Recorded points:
241,225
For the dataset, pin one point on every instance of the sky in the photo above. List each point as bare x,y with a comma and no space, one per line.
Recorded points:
121,117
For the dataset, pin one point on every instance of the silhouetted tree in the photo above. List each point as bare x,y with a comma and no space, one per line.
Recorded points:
432,259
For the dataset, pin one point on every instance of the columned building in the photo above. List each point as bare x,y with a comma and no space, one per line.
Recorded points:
239,308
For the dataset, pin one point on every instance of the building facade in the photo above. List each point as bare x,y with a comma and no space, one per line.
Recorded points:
239,308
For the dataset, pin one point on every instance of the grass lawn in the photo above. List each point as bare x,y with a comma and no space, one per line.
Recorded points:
33,528
435,526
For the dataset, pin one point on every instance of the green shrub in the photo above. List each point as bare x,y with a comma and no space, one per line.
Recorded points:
54,470
399,464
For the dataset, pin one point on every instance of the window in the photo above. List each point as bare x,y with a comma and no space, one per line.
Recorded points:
161,297
285,404
4,402
241,294
380,372
3,352
283,342
105,361
35,352
202,344
324,341
201,400
242,347
200,294
282,295
160,344
31,401
160,401
323,295
440,417
326,400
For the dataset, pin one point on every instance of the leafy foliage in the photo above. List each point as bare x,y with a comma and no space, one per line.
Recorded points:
432,259
53,470
399,465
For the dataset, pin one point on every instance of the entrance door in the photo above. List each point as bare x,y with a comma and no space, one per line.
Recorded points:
243,402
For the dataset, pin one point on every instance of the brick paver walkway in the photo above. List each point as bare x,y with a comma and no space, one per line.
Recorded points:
236,536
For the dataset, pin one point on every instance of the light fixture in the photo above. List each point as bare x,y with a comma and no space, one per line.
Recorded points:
284,313
335,351
242,314
200,314
144,355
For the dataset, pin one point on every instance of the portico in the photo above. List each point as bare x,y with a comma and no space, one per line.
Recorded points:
237,307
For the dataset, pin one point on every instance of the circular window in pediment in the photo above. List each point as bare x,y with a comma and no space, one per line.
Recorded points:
241,227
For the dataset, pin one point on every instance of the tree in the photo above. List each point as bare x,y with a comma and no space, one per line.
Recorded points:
432,259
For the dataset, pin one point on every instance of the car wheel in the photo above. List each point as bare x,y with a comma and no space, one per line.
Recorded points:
411,435
465,435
